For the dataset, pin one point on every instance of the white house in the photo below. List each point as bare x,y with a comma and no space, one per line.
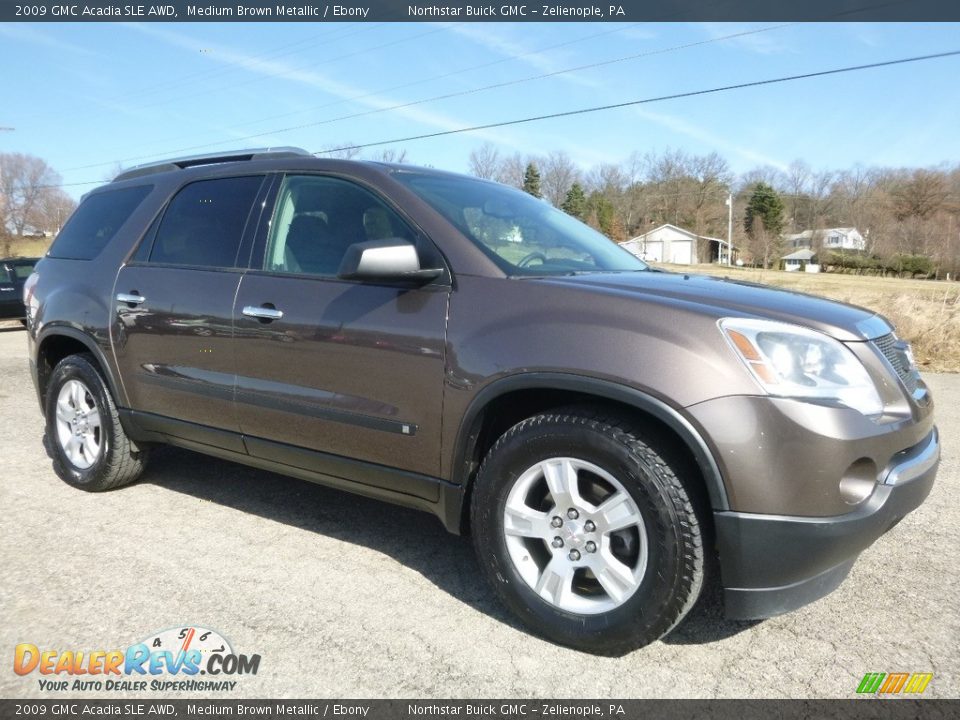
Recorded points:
845,238
801,260
671,244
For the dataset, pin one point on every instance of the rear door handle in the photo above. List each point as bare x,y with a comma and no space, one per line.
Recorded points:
262,313
130,298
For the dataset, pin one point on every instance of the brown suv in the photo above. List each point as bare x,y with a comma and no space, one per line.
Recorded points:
606,432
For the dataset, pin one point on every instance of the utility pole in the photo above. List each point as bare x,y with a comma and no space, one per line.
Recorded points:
730,229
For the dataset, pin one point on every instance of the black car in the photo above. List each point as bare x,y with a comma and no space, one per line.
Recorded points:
13,273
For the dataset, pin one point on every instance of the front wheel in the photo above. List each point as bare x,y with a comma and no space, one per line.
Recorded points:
587,532
89,447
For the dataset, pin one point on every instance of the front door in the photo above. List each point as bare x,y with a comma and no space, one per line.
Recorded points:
347,368
173,333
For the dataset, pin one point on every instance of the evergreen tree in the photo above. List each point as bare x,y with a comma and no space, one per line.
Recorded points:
531,181
606,216
766,205
763,223
575,203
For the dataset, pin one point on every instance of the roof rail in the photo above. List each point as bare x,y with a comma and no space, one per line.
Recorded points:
210,159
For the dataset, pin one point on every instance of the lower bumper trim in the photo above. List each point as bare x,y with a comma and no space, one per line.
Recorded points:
755,603
772,564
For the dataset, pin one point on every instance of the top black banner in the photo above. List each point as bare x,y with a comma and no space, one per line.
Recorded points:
517,11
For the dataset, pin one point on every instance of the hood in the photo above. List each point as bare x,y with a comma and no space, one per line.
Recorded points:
734,298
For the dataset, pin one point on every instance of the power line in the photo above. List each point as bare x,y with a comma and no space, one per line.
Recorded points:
447,96
494,86
445,75
228,87
644,101
615,106
397,87
280,74
255,59
456,72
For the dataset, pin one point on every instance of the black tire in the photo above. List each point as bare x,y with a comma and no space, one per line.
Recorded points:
120,460
674,570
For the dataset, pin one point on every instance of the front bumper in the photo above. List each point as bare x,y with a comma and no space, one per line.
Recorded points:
772,564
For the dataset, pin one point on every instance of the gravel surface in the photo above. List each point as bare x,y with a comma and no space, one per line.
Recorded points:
347,597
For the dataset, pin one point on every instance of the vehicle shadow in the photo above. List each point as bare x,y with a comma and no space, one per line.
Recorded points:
706,623
413,538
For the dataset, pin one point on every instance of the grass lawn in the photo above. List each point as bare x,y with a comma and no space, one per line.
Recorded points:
28,247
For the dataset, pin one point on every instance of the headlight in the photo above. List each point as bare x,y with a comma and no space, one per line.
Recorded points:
794,361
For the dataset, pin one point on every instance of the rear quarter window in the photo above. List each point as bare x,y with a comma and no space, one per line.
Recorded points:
204,223
96,221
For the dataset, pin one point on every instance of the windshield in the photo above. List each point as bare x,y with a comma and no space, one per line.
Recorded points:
521,234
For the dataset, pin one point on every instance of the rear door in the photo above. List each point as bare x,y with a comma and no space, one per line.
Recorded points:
174,329
347,368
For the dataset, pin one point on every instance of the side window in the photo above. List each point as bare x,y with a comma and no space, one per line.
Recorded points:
5,275
203,225
96,221
22,271
318,218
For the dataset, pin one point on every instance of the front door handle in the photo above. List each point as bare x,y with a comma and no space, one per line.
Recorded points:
264,312
131,298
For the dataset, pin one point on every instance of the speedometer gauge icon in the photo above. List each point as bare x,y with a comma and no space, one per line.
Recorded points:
189,637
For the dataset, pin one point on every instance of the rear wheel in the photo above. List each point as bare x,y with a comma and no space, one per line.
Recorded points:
89,447
587,532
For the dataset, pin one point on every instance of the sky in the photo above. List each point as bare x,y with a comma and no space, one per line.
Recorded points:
90,98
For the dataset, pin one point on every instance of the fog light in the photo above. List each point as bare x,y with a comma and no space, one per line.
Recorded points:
858,481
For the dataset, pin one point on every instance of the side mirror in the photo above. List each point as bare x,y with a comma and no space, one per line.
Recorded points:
391,259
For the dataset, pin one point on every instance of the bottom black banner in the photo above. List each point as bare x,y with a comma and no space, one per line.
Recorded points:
499,709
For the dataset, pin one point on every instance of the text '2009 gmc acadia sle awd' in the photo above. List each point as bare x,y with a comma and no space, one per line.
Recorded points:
607,433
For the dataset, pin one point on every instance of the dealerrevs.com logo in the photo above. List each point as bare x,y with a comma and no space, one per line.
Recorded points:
185,659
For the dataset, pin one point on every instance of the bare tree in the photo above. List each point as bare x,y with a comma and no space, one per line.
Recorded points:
821,200
512,169
53,209
710,181
346,152
920,195
767,174
795,184
24,181
763,245
558,173
485,162
391,155
113,172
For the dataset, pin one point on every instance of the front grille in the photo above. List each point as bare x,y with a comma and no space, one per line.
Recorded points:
895,351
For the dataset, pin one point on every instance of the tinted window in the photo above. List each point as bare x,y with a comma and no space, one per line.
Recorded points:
522,235
318,218
204,223
23,270
96,221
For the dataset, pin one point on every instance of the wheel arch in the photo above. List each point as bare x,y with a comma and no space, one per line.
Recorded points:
56,342
536,392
